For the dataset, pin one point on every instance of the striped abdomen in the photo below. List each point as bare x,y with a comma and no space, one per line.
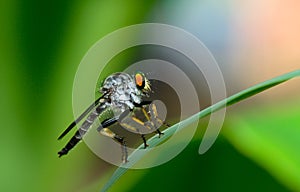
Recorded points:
82,130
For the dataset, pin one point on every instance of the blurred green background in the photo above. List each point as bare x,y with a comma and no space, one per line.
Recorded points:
43,42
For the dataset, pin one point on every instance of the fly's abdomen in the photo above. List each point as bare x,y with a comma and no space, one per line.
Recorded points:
81,131
87,123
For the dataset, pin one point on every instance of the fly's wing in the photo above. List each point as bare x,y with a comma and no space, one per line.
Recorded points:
73,124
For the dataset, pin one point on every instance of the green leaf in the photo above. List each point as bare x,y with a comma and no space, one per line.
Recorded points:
133,158
269,135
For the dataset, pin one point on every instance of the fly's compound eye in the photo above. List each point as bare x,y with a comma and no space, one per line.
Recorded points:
142,82
139,80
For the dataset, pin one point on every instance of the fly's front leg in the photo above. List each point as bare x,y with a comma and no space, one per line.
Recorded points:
155,118
150,120
127,123
132,123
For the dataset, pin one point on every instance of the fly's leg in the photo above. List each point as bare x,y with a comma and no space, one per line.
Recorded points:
107,132
154,117
108,122
151,120
123,148
125,120
128,125
148,117
128,121
145,142
159,133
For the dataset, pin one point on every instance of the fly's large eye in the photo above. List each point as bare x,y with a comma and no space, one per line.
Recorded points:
139,80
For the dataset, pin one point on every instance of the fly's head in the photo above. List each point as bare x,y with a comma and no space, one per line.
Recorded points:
142,83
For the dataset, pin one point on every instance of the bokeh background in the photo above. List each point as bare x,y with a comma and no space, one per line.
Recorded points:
43,42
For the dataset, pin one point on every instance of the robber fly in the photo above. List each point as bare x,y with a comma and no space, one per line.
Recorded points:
123,94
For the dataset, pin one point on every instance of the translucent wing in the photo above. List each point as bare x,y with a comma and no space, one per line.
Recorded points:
92,106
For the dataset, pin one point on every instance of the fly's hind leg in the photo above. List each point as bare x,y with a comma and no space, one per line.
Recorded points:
107,132
145,142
